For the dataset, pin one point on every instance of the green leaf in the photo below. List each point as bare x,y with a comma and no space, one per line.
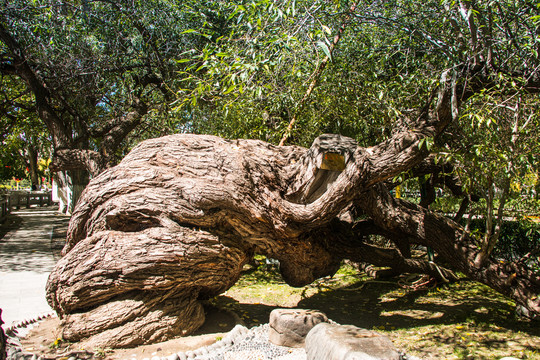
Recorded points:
229,89
327,29
325,49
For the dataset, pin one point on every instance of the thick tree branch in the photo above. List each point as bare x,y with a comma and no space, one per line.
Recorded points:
46,112
366,167
78,159
122,126
454,245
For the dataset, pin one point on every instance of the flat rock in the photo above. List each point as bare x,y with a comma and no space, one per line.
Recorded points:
346,342
289,327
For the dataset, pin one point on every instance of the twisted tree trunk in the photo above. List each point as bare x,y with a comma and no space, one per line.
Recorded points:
177,219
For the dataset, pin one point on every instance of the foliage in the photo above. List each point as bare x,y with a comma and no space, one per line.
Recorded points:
446,321
11,165
250,81
517,239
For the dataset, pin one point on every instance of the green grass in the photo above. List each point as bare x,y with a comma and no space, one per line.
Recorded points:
463,320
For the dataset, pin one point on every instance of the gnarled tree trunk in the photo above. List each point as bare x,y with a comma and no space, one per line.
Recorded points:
177,219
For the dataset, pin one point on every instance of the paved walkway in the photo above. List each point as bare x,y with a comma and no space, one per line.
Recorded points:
29,248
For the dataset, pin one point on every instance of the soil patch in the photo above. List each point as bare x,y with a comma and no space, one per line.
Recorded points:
463,320
45,339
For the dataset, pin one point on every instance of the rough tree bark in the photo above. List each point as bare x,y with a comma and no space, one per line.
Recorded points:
177,219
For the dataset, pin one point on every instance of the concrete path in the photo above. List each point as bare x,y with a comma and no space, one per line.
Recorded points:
29,248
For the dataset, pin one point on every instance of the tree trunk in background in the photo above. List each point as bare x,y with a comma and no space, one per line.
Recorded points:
32,158
69,185
177,219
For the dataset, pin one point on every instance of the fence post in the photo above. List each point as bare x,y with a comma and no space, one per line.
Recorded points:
4,208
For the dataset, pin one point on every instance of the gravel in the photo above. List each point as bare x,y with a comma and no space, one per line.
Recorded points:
240,343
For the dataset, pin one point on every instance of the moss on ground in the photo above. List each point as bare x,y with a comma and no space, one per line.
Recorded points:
463,320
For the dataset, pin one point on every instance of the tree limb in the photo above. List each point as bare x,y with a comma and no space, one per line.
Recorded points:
317,74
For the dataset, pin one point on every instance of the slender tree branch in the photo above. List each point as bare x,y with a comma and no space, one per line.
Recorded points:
317,74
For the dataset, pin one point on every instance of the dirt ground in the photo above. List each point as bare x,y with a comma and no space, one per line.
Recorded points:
464,320
43,339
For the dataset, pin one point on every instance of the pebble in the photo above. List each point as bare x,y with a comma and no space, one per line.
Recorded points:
239,343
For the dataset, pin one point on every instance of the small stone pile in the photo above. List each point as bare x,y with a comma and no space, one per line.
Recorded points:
292,334
296,334
244,344
323,339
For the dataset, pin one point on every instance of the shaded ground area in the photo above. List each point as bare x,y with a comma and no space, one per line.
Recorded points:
464,320
30,241
45,339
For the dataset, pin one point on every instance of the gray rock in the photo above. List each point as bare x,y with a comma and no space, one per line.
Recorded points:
346,342
182,355
173,357
289,327
524,314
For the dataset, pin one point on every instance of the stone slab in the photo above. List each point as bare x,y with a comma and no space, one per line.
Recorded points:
346,342
289,327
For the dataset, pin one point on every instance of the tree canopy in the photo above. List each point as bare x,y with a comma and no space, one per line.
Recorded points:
105,75
447,89
96,71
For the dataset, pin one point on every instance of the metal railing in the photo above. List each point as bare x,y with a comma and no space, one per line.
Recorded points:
16,199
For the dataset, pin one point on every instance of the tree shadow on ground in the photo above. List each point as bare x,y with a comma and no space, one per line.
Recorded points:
11,222
466,318
250,314
30,239
386,306
217,320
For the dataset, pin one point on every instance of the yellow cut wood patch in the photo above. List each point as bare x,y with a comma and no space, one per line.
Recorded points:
333,161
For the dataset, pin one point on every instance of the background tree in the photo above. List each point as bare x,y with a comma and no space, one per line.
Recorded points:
25,139
96,70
